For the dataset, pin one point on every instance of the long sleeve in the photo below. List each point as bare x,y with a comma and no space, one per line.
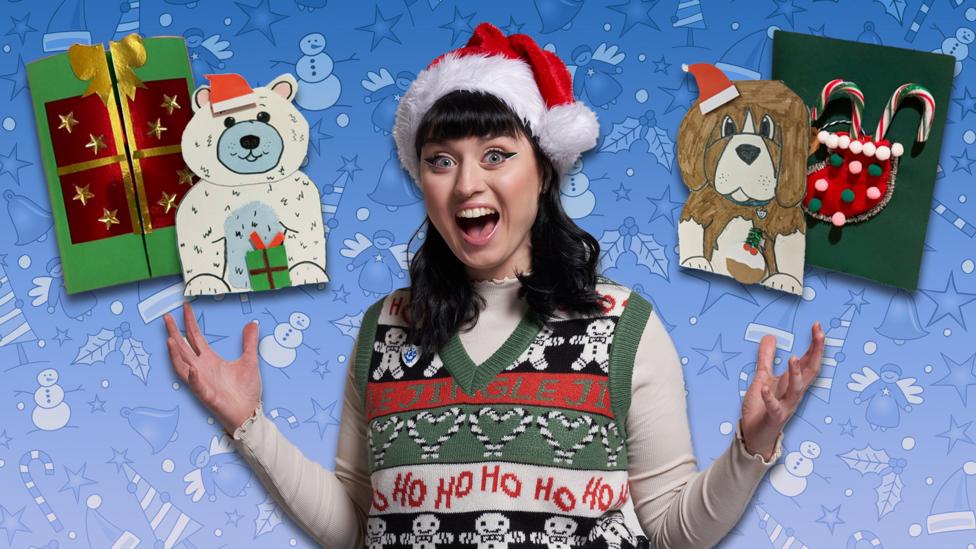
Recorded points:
677,505
330,507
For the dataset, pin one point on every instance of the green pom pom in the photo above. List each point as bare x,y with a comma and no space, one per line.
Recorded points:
836,160
814,205
847,195
874,170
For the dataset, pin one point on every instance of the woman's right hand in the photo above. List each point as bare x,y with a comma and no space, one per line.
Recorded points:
231,389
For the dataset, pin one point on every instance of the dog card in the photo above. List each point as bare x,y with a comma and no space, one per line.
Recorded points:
876,234
253,220
742,151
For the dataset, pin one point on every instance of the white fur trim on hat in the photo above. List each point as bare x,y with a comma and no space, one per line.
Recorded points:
563,132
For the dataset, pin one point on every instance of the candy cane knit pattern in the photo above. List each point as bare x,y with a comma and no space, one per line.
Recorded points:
526,447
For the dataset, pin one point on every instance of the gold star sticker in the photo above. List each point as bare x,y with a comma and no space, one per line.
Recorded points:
168,201
185,175
169,103
68,121
95,144
156,128
108,218
82,194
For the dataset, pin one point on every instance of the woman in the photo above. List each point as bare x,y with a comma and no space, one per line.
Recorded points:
510,397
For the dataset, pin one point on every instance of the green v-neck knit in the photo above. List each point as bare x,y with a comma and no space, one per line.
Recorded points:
527,435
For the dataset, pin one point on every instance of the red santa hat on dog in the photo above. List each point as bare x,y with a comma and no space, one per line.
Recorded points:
714,88
533,82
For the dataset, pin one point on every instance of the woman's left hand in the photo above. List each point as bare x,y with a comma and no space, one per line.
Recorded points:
771,400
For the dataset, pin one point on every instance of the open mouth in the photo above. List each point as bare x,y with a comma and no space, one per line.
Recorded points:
477,224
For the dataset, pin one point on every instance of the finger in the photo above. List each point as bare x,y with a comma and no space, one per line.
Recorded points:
176,357
783,381
250,338
171,329
193,334
767,352
774,408
797,386
814,354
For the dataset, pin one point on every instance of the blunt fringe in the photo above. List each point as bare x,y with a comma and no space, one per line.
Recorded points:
564,256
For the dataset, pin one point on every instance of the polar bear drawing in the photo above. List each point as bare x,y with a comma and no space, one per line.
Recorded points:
247,155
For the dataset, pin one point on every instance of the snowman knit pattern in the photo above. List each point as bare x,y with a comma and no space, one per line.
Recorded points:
526,449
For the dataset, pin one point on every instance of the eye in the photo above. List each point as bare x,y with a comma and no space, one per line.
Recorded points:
439,161
728,126
766,127
264,117
229,121
497,156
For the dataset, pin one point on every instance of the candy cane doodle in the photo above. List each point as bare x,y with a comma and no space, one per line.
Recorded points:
857,179
285,413
28,481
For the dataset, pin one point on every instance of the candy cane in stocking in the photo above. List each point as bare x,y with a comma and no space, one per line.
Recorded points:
903,93
839,89
35,493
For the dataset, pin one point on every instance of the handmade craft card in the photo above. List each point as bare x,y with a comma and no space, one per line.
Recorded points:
878,114
253,221
742,151
109,123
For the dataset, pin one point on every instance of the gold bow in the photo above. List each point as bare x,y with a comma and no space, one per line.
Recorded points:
88,63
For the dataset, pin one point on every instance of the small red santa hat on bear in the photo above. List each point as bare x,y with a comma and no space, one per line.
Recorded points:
229,91
714,88
533,82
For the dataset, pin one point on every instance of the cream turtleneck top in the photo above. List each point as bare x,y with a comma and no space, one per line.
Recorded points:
675,504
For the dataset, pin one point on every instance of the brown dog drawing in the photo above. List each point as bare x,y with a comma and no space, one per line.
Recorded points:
745,164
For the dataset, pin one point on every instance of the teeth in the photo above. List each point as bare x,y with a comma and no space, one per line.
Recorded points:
471,213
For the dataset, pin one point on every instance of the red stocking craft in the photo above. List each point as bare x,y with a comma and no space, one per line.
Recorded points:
857,179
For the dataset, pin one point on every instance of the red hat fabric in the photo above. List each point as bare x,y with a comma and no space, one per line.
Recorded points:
714,88
229,91
533,82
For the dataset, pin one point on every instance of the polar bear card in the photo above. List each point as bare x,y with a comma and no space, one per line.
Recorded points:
253,220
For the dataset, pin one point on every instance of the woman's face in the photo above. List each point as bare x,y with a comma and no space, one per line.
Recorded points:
482,195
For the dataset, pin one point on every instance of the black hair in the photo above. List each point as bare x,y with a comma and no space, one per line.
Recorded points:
564,256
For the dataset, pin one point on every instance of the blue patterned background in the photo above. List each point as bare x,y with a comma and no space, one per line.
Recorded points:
879,471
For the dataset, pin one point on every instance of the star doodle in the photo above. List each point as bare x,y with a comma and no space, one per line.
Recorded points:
12,164
68,121
956,433
785,8
681,97
233,517
459,25
817,31
635,12
18,78
719,287
350,166
857,300
662,65
5,439
168,201
322,417
830,517
61,336
260,18
963,162
20,27
156,129
961,375
381,29
716,357
669,206
108,218
967,103
185,175
95,143
949,302
513,26
170,104
623,193
340,294
322,369
76,481
83,194
11,524
316,135
847,428
97,404
119,459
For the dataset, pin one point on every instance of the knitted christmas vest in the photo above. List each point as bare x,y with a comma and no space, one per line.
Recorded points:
527,449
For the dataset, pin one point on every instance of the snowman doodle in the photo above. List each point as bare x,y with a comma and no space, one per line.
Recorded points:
535,354
51,412
279,349
318,87
887,394
596,344
790,477
593,71
492,531
384,94
559,534
958,45
376,535
574,191
391,347
425,533
217,468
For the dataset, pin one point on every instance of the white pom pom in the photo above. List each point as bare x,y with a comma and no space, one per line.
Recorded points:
883,153
684,67
844,141
856,147
833,141
567,131
822,136
869,149
897,150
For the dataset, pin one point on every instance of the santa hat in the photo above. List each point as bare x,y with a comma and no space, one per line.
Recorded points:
533,82
229,91
714,88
